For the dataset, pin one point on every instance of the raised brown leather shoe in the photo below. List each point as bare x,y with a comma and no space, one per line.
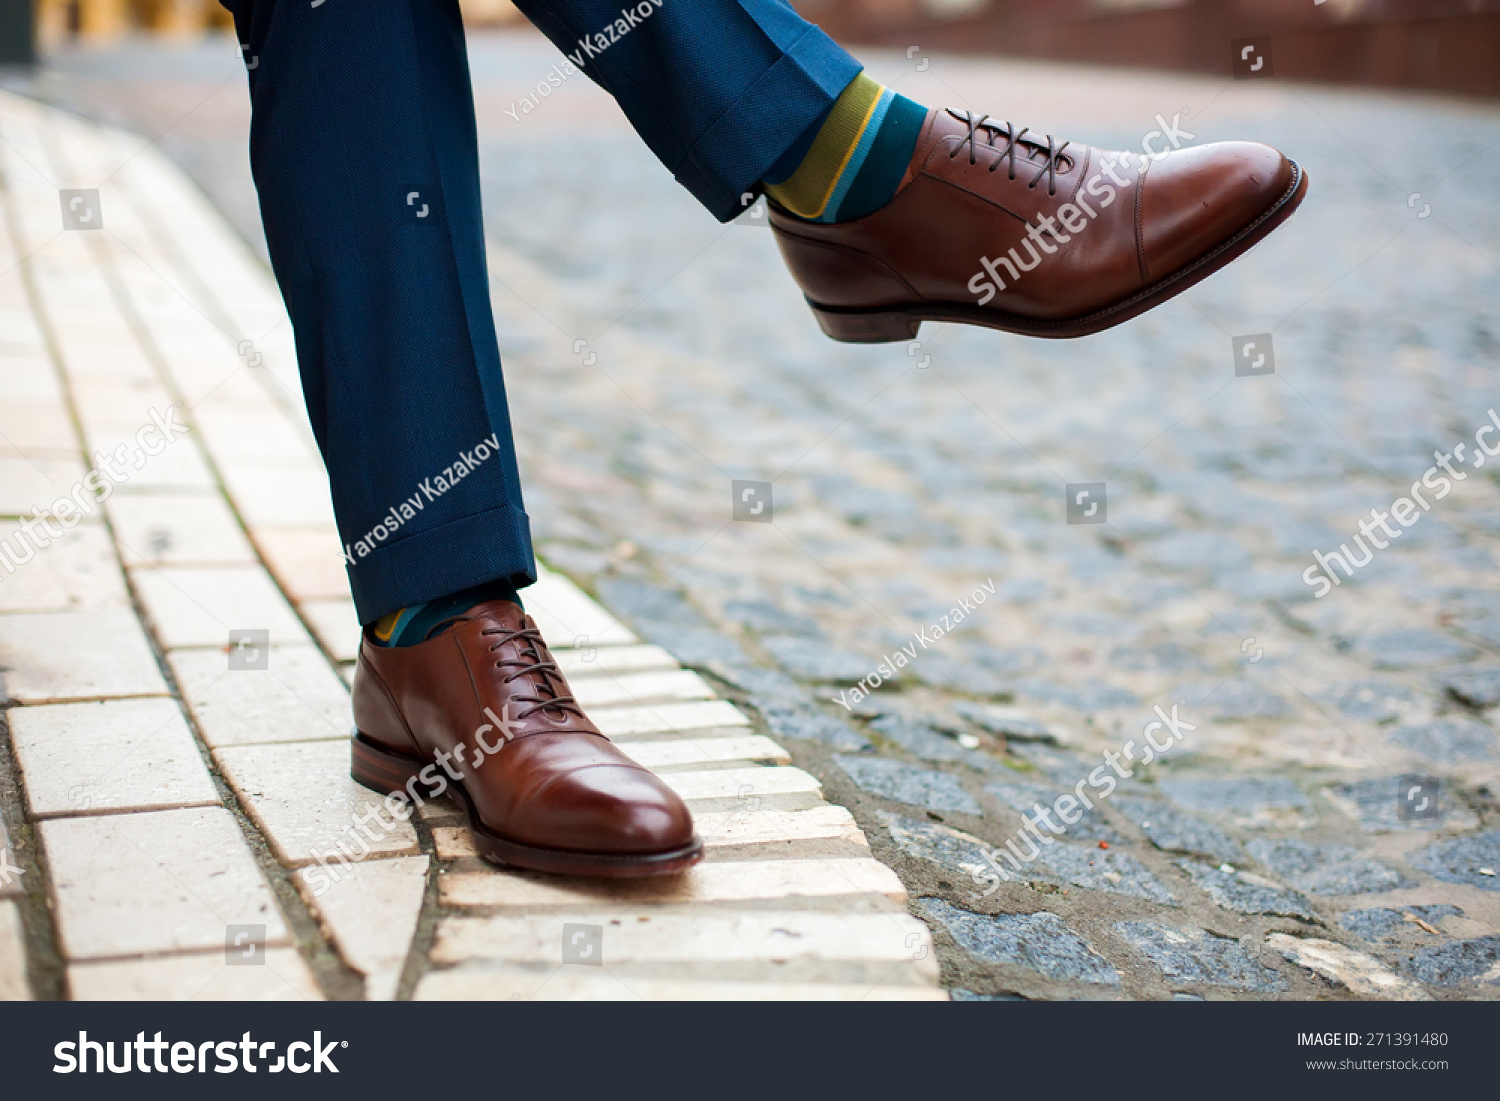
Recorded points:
484,709
1006,230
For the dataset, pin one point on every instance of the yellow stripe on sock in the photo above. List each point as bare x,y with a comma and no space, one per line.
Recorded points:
387,624
807,191
833,184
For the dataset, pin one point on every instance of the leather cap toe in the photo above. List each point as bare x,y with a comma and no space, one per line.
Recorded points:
610,808
1199,197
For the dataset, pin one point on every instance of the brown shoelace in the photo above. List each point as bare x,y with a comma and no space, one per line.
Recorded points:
1053,156
529,661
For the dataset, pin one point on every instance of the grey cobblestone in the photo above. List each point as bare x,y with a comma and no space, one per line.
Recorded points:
1039,942
1164,657
1065,767
764,617
1079,697
1377,806
1395,928
918,787
1413,649
1459,962
1471,860
1198,956
1023,798
809,725
925,741
1009,724
948,848
1376,701
815,659
960,994
1234,891
1173,830
769,685
939,671
1449,741
1268,803
1236,700
1111,871
1326,869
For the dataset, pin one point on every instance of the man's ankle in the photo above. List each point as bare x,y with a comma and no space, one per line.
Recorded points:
419,622
854,164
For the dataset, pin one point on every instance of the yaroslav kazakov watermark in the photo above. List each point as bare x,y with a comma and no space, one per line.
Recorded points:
429,490
590,46
890,666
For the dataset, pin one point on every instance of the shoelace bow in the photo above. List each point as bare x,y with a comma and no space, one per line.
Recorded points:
1054,156
529,660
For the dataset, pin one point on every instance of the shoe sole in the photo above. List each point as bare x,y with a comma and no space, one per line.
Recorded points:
883,326
386,772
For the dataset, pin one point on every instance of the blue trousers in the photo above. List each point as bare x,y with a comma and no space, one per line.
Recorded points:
365,156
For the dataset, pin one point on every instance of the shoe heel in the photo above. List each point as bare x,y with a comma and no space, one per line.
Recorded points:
381,771
865,328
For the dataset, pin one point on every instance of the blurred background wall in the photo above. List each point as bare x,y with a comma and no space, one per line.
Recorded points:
1447,45
1443,45
57,20
104,19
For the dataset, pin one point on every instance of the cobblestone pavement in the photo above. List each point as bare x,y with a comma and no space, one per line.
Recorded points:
1324,823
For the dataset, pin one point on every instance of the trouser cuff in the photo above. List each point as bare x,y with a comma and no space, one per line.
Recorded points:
489,546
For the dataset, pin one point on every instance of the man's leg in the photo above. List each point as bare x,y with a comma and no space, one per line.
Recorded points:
364,152
365,157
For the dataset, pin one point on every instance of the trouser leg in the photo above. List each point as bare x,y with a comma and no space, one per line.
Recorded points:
719,89
364,152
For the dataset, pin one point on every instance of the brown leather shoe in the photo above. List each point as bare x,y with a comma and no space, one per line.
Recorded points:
483,708
1002,229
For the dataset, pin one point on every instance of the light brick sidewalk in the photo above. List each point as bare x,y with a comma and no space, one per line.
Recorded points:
174,795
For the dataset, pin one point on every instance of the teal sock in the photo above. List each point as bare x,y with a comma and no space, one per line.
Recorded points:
418,623
854,165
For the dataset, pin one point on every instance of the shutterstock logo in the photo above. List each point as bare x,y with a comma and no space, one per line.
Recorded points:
752,501
1087,503
1254,355
229,1056
1252,58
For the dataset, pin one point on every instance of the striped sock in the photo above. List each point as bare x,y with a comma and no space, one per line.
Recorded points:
854,164
409,626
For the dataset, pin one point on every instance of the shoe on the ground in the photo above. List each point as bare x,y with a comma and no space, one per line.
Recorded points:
1004,229
483,709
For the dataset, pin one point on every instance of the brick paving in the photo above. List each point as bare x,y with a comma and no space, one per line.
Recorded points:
174,670
1327,828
